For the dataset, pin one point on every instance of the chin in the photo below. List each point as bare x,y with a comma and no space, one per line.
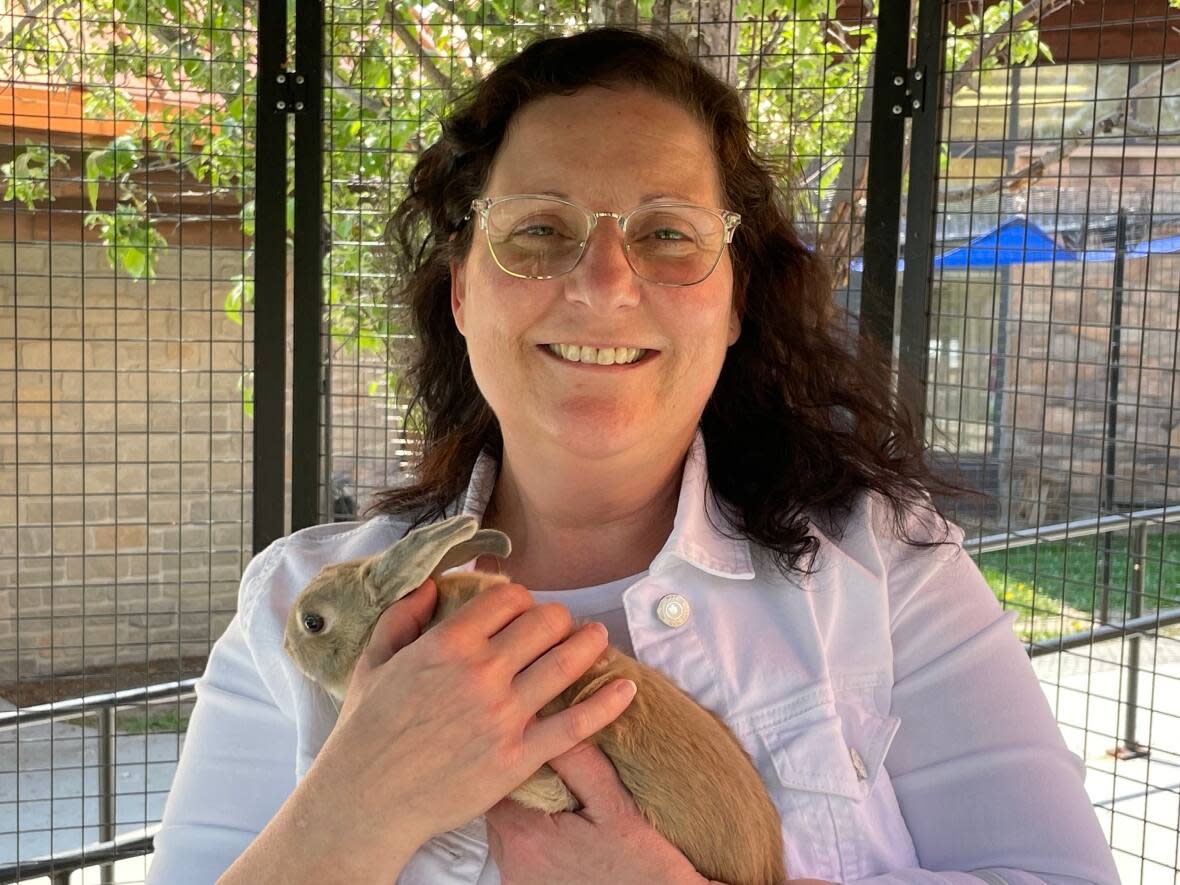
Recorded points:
603,441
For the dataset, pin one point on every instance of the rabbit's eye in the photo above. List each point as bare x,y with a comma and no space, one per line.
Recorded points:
313,623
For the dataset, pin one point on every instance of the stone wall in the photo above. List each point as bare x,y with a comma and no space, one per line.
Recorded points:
125,458
1061,328
1052,417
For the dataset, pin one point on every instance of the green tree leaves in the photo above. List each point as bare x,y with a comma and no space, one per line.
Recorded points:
176,77
131,239
26,177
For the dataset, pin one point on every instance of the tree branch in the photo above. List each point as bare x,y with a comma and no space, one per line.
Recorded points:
839,233
357,97
1035,168
987,45
780,23
30,16
413,44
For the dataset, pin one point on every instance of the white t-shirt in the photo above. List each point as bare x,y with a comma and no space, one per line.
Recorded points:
603,603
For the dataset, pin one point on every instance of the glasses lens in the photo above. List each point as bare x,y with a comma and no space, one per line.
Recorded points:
674,246
534,237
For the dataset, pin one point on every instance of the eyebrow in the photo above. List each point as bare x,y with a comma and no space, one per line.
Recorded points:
646,198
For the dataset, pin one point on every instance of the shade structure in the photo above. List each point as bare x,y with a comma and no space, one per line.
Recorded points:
1015,241
1019,241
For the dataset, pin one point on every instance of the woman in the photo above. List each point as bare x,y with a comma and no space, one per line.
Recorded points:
628,363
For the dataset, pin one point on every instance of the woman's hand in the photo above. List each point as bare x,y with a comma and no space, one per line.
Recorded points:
607,840
436,728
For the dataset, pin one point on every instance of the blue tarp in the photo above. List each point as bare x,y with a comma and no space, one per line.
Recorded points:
1016,241
1019,241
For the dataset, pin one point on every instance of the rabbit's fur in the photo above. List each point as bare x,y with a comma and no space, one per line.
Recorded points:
690,777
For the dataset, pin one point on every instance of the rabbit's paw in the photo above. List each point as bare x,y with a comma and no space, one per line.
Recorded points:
546,792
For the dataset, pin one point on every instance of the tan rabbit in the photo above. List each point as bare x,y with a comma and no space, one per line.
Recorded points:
690,777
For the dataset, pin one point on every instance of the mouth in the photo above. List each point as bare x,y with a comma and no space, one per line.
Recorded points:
648,356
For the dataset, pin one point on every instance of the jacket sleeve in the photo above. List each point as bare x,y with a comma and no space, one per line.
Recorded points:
238,762
984,780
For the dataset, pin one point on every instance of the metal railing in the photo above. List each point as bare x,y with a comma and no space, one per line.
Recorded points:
1134,626
60,866
108,849
1138,522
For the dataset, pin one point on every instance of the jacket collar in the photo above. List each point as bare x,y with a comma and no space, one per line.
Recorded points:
693,540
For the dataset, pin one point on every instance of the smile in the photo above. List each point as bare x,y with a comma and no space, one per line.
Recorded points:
553,351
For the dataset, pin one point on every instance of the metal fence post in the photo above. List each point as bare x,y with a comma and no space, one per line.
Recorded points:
1128,747
270,277
307,333
878,299
106,785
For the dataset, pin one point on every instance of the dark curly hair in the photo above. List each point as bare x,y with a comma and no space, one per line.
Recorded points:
802,418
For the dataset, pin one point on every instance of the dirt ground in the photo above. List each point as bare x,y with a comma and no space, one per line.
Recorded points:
97,680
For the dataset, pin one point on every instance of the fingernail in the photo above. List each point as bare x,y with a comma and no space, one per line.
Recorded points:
627,688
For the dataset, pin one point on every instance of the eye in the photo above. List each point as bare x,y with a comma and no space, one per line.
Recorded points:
535,229
667,233
313,623
541,226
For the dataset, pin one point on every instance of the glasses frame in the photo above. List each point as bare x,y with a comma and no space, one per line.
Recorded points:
482,205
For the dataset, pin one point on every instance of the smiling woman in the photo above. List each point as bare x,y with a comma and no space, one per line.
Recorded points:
635,422
742,508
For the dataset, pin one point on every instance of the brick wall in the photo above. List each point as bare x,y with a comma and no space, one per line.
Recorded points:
1059,338
124,458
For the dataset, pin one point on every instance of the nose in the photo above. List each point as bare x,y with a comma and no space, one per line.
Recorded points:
603,280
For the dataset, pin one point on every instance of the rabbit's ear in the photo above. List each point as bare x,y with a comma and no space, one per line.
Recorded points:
409,562
484,541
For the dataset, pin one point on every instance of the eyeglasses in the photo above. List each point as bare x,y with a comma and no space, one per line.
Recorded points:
538,237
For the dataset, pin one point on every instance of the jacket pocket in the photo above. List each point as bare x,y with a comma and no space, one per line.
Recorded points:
817,755
821,753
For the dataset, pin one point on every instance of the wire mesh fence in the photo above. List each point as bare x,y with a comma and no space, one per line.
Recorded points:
126,329
1054,314
125,344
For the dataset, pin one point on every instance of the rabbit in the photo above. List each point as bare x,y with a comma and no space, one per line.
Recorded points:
690,777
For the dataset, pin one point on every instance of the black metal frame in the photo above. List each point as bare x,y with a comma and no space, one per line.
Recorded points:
903,91
925,82
886,162
283,93
270,275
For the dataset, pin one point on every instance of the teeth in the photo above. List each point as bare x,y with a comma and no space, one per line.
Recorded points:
605,357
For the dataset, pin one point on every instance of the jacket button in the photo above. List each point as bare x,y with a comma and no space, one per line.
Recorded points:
673,610
862,773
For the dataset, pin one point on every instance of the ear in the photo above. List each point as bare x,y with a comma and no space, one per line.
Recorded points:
458,294
391,575
735,326
484,541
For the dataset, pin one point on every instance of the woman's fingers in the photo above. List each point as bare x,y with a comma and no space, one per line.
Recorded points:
550,736
490,611
560,667
532,634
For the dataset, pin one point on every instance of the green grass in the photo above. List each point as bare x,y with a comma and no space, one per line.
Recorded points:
166,721
1057,587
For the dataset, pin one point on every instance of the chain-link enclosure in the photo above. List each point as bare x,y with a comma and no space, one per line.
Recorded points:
1054,312
1024,163
126,170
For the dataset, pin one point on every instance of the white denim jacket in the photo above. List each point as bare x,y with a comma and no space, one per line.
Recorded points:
892,713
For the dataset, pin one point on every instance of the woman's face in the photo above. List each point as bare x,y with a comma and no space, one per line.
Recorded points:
609,151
